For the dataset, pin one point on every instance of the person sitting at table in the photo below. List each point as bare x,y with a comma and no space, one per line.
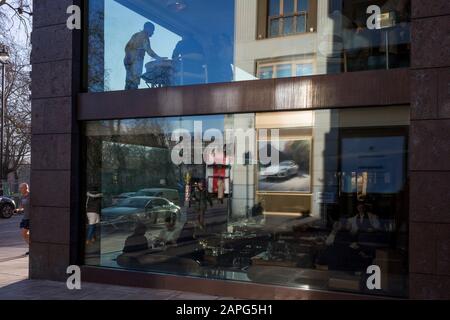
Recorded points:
363,221
137,241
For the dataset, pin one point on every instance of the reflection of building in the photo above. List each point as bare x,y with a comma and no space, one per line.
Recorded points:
270,54
378,155
305,37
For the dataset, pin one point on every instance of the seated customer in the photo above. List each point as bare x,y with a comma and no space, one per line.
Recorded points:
137,241
171,233
363,221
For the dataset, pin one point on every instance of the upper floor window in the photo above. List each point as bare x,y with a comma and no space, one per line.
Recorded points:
287,17
286,68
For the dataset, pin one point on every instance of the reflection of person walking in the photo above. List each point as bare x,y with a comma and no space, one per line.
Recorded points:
202,199
24,208
135,50
93,207
220,190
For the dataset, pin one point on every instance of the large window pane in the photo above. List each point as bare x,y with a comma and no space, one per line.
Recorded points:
288,7
150,44
307,199
284,70
301,23
274,27
274,7
304,69
288,25
302,5
266,73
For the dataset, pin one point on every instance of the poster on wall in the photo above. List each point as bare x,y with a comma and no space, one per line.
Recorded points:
292,173
373,165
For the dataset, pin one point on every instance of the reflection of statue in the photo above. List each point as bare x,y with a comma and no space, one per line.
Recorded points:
190,61
221,59
135,50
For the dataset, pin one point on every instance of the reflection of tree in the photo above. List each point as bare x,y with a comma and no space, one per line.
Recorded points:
98,77
15,14
135,154
93,163
299,151
17,126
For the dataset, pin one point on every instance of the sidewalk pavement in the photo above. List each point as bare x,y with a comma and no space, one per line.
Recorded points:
14,283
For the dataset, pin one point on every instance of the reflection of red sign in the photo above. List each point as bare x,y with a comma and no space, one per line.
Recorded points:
217,158
214,173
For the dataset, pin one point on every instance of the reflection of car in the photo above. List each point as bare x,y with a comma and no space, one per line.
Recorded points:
122,196
169,194
283,170
148,210
7,207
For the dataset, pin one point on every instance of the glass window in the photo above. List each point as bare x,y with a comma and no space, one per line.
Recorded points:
274,7
150,44
302,5
288,6
305,69
288,24
266,73
304,199
301,23
275,27
284,70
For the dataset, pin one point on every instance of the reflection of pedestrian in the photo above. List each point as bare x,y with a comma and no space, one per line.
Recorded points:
25,209
201,198
135,50
220,190
93,207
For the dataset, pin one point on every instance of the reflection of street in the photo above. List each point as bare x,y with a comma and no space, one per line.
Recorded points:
112,241
298,183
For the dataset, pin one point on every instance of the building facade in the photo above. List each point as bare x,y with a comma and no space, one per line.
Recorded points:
247,148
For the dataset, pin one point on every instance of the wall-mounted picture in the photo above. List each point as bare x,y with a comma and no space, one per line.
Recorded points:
292,173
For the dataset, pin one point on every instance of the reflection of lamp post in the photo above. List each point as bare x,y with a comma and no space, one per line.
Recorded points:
4,57
387,21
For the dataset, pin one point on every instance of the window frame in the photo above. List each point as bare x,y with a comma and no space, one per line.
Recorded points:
294,62
282,16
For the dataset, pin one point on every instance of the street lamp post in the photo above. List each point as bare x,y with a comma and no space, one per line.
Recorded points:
4,57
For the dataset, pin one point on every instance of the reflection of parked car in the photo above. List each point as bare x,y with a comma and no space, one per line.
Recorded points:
7,207
169,194
122,196
284,170
148,210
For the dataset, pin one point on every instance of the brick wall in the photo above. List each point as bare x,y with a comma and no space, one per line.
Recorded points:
430,151
55,157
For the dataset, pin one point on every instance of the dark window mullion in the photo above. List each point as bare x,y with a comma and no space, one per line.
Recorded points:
281,23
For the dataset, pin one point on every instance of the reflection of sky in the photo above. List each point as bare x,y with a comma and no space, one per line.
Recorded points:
120,24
